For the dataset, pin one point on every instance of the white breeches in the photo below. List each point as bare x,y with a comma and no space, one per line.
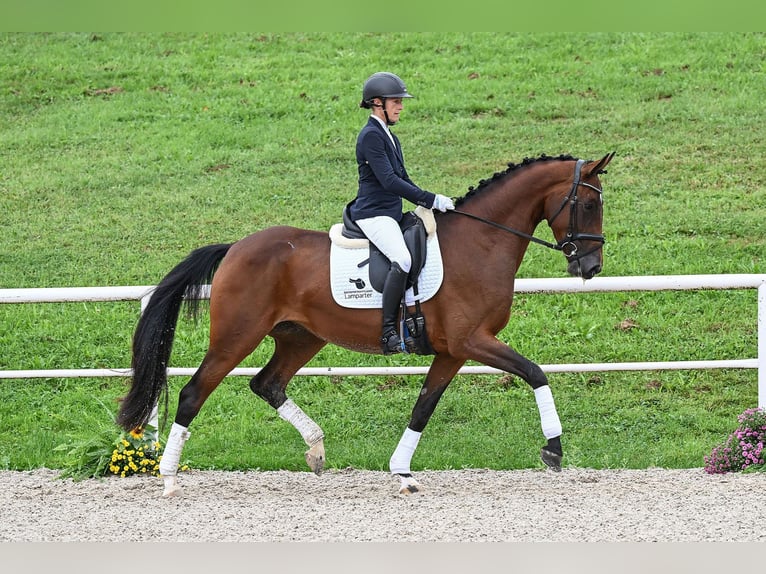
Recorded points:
385,233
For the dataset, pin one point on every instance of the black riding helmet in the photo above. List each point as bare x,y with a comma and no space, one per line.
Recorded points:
383,85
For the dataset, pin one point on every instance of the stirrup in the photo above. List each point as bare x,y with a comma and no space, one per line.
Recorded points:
391,343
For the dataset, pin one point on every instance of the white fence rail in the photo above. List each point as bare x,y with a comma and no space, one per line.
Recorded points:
564,285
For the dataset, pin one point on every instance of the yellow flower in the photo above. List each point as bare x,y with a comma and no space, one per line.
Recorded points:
137,433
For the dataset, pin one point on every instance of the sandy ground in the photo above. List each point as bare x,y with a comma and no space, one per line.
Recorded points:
576,505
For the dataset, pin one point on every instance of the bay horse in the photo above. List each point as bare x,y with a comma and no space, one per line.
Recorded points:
276,282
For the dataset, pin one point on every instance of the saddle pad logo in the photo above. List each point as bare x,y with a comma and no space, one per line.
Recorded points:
359,290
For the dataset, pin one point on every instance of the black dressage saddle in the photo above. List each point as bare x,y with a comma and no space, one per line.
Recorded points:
414,232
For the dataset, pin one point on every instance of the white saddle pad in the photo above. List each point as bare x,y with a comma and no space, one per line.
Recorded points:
350,283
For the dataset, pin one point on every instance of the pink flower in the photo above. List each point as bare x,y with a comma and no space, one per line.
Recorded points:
743,447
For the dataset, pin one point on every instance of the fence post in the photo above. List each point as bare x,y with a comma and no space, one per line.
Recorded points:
762,345
145,301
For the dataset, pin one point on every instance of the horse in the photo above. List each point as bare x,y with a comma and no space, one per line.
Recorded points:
276,282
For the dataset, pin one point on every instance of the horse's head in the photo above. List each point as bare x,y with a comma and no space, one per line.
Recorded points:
576,218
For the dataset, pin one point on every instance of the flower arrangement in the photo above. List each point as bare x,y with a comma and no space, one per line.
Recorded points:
133,452
743,449
136,452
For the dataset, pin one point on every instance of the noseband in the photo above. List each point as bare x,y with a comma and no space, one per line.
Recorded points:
566,245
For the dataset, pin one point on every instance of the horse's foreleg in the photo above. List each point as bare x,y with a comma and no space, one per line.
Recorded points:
497,354
294,347
440,374
551,454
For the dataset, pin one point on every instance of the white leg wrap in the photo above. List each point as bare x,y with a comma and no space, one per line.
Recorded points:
549,418
171,456
400,460
293,414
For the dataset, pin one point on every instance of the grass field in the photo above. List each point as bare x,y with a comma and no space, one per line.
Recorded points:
120,153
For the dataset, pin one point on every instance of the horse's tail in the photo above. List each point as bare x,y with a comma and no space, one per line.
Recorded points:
153,338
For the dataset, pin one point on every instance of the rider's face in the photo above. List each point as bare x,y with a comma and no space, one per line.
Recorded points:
393,108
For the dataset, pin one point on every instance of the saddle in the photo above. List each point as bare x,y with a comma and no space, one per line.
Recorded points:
414,232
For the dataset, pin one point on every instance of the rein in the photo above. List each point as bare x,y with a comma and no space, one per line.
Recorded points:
509,230
566,245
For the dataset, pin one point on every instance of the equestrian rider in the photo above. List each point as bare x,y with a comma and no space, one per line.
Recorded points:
383,182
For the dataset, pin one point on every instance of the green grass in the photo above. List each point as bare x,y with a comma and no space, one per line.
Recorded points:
120,153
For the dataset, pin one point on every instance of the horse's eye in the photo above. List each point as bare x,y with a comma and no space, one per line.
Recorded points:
589,205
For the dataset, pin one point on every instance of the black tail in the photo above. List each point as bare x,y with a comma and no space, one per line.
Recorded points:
153,339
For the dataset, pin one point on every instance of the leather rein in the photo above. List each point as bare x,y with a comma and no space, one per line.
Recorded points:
565,245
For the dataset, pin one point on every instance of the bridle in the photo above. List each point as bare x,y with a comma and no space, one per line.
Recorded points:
567,244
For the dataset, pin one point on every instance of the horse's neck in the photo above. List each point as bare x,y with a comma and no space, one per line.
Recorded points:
518,202
485,242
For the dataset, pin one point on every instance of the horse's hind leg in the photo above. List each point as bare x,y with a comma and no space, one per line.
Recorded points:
215,366
294,347
224,353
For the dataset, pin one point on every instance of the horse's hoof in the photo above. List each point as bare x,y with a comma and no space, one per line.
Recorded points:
551,459
171,487
408,485
315,458
171,492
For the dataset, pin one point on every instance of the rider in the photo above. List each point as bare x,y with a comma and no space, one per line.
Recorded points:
383,182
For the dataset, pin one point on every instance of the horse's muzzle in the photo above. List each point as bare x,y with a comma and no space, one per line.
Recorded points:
586,267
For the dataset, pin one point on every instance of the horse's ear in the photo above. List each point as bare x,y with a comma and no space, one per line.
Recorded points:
599,167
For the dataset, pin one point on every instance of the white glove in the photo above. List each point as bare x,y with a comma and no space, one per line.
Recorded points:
443,203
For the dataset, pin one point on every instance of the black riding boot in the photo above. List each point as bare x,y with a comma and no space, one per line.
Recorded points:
393,291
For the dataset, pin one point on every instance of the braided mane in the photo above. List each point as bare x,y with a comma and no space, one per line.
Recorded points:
512,167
